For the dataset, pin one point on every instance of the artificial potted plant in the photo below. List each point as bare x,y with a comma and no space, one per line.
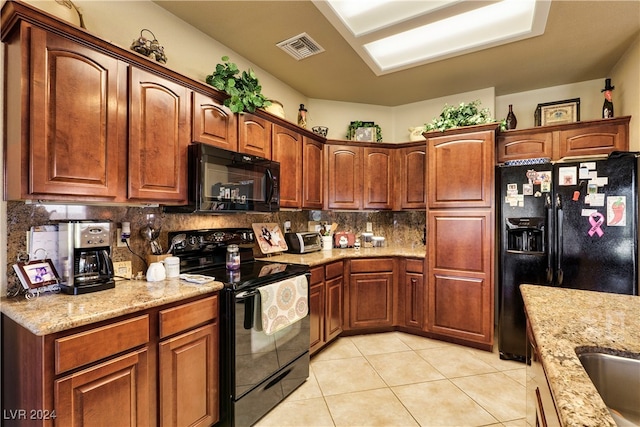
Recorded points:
244,89
462,115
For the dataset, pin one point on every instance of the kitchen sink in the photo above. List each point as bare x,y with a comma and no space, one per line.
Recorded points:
617,380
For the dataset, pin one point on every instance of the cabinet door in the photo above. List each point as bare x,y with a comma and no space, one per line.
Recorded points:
312,174
601,137
158,138
77,120
114,393
333,311
460,170
286,148
345,177
411,177
377,178
371,300
524,144
316,309
188,378
414,300
213,123
254,135
460,279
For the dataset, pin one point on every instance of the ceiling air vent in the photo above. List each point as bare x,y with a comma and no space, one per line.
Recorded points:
300,46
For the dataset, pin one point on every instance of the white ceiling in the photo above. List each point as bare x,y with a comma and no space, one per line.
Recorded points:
582,41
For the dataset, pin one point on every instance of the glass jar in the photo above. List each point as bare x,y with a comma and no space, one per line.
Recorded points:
233,257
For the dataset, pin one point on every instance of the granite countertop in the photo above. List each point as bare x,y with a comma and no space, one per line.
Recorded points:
564,321
322,257
50,312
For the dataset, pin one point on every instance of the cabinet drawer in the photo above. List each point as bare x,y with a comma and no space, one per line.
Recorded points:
372,265
317,275
415,265
187,316
334,269
86,347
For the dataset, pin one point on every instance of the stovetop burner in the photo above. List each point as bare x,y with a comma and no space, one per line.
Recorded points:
204,252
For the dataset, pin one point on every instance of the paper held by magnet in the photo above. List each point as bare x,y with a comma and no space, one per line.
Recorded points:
588,165
588,212
617,211
567,176
600,181
596,199
583,173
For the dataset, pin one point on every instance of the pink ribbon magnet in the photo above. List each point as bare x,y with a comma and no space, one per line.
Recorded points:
596,219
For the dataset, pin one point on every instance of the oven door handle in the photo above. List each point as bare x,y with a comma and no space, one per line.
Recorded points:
249,307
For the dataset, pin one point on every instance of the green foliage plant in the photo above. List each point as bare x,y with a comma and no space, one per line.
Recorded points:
244,89
462,115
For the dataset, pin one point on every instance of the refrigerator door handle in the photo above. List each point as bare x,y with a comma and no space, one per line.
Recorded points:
549,238
559,233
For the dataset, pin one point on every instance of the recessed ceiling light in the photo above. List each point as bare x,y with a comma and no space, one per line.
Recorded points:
390,35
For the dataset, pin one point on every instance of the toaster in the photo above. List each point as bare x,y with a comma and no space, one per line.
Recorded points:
303,243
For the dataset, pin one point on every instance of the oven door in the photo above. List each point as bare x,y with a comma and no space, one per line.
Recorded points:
258,355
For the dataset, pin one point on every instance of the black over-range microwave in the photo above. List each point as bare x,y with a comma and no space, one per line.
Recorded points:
225,181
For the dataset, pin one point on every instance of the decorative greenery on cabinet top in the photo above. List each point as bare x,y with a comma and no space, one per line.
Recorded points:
244,89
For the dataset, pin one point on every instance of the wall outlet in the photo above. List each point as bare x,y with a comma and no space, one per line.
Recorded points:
120,243
122,270
369,227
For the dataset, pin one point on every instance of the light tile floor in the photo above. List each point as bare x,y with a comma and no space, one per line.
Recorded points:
398,379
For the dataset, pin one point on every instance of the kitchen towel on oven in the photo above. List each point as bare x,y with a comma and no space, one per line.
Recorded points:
284,303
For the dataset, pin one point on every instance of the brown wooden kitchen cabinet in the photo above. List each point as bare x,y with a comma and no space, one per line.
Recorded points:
411,294
189,364
312,173
66,121
286,146
213,123
411,177
254,135
162,361
359,177
158,138
325,304
460,234
369,293
588,138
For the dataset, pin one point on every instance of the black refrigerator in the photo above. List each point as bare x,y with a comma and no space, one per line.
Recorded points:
566,224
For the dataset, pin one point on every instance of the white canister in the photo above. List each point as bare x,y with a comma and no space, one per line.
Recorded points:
172,266
327,243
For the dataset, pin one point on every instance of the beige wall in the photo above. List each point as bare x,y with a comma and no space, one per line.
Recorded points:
625,76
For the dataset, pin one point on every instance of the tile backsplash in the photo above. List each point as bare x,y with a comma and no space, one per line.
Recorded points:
399,228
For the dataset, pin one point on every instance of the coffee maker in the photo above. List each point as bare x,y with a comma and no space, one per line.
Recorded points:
84,248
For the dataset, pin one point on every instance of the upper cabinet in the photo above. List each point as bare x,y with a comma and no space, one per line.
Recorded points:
158,138
213,123
359,177
312,173
254,135
66,127
410,171
286,149
578,139
460,168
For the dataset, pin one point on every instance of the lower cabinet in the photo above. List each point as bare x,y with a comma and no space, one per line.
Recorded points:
541,408
157,367
325,304
411,294
370,290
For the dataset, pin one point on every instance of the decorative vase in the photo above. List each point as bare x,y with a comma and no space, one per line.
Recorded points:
512,122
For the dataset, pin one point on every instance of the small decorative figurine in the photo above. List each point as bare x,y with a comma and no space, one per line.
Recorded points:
302,116
607,108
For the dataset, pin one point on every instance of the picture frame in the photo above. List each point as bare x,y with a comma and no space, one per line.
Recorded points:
558,112
365,134
37,274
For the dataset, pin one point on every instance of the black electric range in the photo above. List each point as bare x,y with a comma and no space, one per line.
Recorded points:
257,369
204,252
